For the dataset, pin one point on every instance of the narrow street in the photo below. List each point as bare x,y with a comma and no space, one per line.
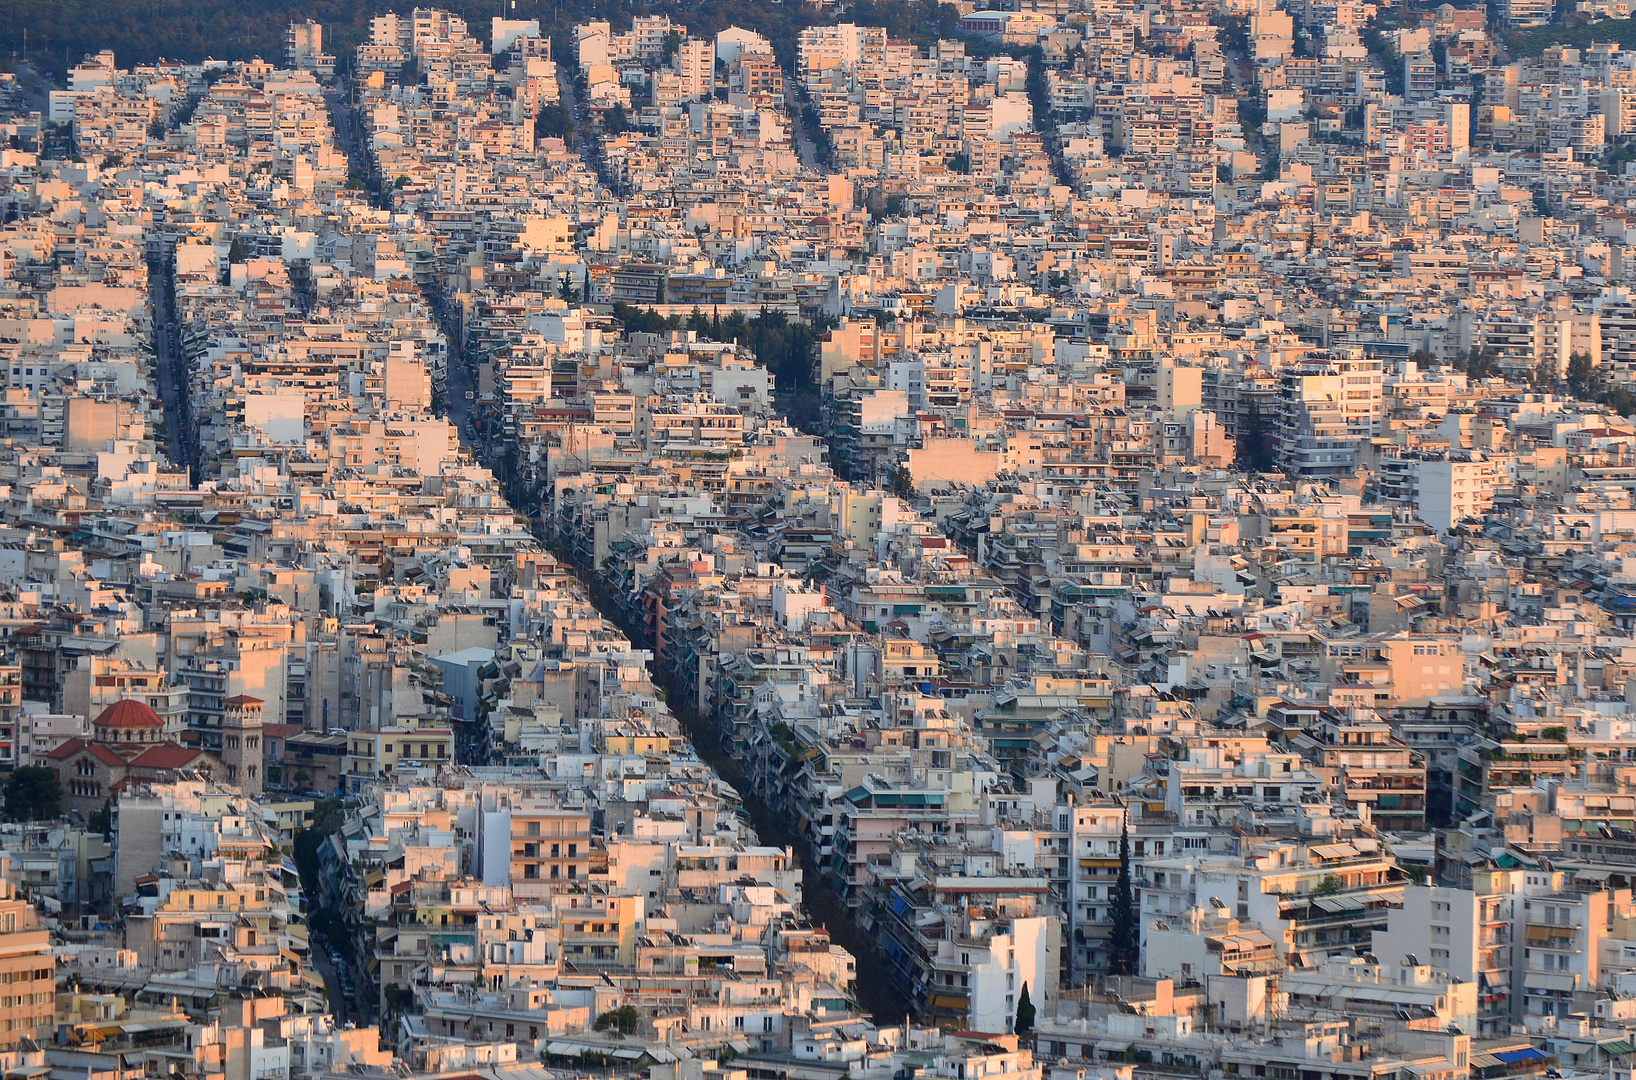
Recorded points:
35,87
804,146
459,381
169,370
332,981
582,125
339,1003
337,98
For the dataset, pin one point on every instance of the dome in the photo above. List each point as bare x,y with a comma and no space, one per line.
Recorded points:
128,714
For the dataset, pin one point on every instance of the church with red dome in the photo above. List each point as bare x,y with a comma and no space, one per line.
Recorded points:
128,744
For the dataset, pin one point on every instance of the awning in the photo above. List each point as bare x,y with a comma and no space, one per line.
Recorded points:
1540,980
1339,903
1112,1046
1528,1053
141,1027
1265,966
25,1072
519,1071
627,1054
1617,1046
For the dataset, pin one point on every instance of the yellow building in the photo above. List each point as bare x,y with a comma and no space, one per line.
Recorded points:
373,754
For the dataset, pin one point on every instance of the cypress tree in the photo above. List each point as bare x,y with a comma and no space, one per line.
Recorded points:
1025,1014
1125,944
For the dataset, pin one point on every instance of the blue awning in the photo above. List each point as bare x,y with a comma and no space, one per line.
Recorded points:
1511,1057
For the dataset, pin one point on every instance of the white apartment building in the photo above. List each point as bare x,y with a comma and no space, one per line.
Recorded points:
1455,489
1462,934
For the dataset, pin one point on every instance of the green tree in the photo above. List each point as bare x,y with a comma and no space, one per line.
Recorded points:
33,794
102,821
622,1020
1255,443
555,121
1581,376
1480,363
1025,1014
613,121
903,483
327,817
1125,943
1252,113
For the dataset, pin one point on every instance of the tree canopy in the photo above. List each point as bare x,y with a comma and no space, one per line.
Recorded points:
784,346
622,1020
33,794
327,818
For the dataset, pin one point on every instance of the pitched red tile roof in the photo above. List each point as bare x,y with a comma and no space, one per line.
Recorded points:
68,749
97,750
167,756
